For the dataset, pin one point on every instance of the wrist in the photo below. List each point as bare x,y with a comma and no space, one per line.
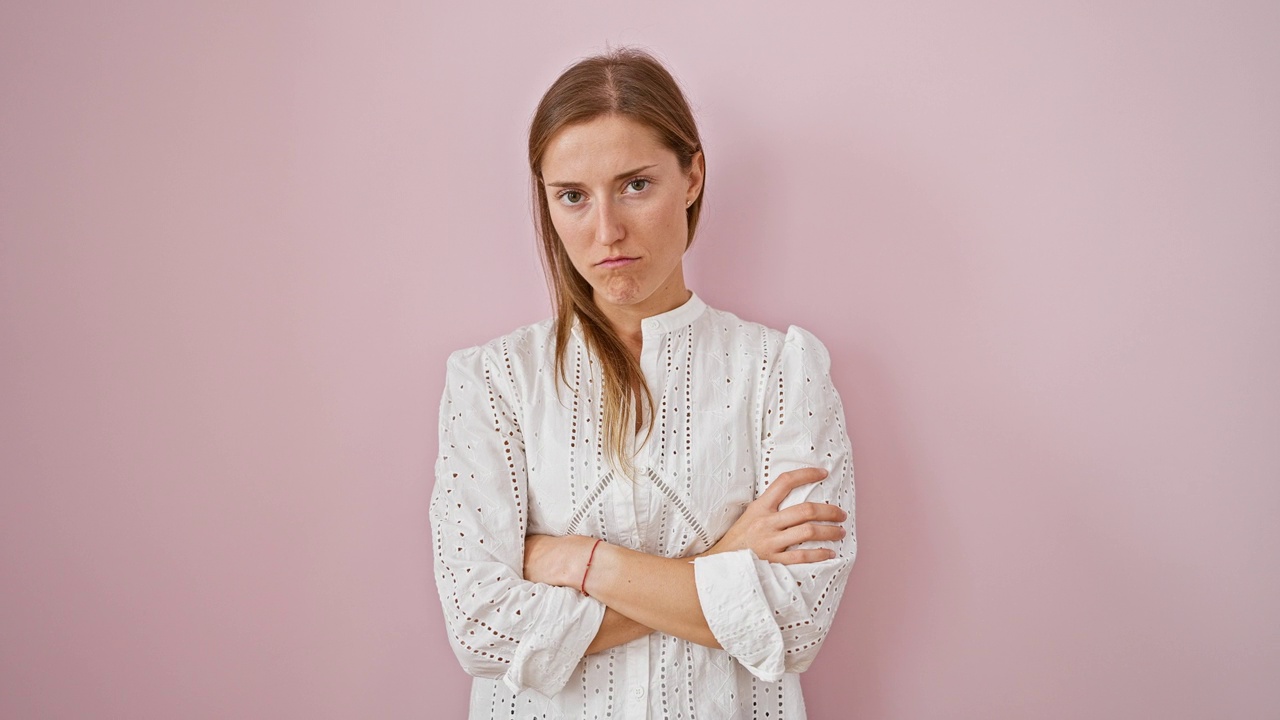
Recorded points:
573,566
603,568
582,584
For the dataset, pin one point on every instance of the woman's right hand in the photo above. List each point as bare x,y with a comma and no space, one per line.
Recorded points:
769,532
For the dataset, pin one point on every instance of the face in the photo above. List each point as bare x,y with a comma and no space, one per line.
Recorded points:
618,198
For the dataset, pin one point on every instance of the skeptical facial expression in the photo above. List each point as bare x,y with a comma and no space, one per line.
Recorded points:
618,198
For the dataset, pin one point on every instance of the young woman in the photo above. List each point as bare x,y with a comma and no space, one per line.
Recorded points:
643,506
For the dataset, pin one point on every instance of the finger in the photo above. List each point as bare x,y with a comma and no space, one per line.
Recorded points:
795,557
809,512
810,532
788,481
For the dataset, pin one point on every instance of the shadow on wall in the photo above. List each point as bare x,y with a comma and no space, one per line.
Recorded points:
752,225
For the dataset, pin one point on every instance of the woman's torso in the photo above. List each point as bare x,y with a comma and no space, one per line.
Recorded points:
697,470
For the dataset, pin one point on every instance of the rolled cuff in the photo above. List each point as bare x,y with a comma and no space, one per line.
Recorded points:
738,613
558,639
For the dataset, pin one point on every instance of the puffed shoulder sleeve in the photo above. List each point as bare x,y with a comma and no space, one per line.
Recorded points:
773,618
530,635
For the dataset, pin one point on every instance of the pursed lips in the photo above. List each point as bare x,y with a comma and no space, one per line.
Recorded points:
615,262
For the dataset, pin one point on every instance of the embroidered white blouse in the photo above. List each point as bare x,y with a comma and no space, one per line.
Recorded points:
737,404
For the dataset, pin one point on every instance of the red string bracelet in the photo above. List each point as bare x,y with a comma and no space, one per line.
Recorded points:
592,556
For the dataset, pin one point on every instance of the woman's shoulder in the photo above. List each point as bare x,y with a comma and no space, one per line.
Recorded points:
527,344
731,326
767,341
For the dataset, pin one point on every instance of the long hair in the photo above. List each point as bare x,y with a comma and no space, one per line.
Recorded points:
630,83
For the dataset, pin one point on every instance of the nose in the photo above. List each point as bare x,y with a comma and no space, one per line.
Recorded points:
609,227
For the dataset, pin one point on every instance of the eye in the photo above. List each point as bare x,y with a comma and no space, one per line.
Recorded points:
638,184
570,197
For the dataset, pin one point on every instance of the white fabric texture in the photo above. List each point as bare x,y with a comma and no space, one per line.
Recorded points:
737,404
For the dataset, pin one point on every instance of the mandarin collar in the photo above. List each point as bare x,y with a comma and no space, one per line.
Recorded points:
675,318
671,320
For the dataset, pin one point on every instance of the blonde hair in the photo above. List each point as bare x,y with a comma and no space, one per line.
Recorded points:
631,83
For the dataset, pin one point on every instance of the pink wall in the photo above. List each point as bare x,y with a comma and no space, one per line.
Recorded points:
1041,240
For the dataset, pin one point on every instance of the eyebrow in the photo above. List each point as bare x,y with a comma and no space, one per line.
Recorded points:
616,178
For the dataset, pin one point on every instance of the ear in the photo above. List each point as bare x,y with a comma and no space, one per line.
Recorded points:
697,170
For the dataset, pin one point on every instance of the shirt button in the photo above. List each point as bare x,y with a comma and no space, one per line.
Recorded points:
637,692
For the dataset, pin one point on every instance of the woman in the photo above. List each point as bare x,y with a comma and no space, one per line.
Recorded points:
643,506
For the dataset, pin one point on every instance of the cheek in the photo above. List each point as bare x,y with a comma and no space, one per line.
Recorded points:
668,225
562,223
573,237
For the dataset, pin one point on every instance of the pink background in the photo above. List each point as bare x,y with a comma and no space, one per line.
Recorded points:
1042,241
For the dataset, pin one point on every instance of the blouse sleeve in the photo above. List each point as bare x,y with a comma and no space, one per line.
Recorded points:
772,617
530,635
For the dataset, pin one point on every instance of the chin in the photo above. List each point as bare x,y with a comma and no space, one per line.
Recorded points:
620,291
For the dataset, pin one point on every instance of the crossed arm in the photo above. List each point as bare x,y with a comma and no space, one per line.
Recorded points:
643,592
512,605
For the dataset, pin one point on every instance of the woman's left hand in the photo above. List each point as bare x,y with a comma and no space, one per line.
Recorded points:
770,531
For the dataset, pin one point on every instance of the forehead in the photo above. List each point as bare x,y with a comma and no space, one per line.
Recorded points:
600,148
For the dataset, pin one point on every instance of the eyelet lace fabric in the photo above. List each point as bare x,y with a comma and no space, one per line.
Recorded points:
738,404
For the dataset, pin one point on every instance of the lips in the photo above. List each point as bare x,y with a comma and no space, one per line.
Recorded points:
615,262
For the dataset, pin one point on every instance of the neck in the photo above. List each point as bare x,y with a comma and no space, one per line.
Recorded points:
626,319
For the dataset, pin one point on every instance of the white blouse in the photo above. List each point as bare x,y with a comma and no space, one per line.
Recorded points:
737,404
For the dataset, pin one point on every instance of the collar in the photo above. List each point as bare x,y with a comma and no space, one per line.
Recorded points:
674,319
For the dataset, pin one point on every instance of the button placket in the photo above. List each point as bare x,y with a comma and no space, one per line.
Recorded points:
637,678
